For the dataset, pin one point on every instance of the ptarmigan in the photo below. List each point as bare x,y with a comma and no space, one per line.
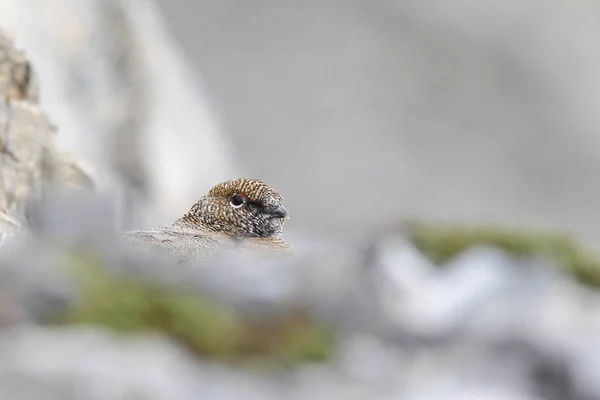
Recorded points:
244,213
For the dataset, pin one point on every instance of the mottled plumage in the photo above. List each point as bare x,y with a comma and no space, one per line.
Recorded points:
244,213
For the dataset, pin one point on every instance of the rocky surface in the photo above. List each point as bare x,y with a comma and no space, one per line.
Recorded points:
31,164
9,227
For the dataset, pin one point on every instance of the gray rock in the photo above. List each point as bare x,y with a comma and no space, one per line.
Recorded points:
31,165
33,288
80,364
123,97
9,227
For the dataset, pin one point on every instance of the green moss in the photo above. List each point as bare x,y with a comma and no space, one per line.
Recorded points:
208,328
295,337
443,242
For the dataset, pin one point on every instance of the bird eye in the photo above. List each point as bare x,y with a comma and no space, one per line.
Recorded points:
237,200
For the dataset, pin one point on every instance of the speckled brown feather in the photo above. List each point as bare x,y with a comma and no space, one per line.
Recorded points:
213,224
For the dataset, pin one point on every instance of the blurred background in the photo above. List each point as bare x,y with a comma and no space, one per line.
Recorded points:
365,111
359,112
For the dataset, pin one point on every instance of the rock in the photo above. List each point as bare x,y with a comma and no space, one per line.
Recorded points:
80,364
121,92
17,80
31,164
9,227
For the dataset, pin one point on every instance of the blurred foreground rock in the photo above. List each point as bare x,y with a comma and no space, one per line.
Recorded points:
366,317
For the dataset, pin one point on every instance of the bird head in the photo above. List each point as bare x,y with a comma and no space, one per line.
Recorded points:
241,208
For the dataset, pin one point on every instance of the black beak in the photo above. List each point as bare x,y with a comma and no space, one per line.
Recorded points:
279,212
